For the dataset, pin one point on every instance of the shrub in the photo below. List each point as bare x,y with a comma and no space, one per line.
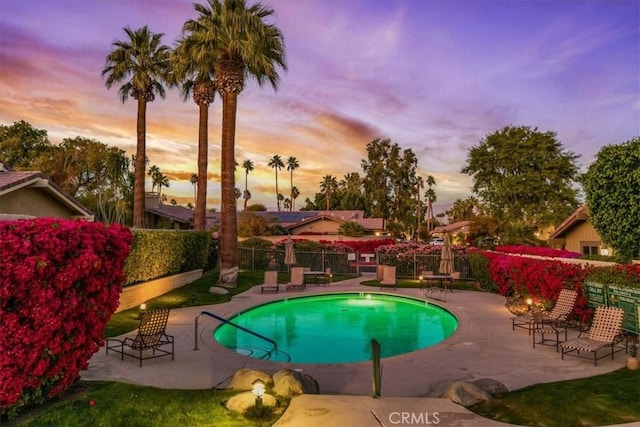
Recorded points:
60,282
626,275
480,270
159,253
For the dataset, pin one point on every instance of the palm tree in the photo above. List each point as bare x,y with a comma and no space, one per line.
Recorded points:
161,181
194,181
140,63
276,163
292,164
430,197
247,165
193,69
243,44
153,173
419,186
328,186
295,193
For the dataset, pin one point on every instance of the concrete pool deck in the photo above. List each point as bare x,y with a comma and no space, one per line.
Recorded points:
484,346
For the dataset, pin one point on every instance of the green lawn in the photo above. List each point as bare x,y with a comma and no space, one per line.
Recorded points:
119,404
602,400
607,399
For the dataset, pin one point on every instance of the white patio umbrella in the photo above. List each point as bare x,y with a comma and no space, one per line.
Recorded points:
446,256
289,254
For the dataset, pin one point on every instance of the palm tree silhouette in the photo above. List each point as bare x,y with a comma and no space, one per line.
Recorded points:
292,164
276,163
141,64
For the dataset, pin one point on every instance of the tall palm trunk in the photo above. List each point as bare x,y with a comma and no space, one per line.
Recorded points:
246,180
228,222
277,192
203,160
139,174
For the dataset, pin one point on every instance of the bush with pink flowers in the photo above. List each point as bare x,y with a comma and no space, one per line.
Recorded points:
60,282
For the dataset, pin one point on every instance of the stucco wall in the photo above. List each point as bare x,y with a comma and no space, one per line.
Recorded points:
583,233
34,202
133,296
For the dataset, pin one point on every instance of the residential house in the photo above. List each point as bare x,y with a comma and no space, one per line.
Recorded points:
30,194
576,234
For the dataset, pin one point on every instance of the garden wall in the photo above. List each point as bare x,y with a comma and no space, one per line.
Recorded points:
133,296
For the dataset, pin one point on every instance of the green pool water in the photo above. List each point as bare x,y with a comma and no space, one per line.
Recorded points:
337,328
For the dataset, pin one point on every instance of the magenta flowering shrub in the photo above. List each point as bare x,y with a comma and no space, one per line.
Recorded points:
60,282
542,279
537,250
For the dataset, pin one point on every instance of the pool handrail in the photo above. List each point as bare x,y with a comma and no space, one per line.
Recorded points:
229,322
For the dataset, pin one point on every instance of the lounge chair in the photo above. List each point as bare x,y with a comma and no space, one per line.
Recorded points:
561,311
389,277
270,283
151,340
605,331
297,279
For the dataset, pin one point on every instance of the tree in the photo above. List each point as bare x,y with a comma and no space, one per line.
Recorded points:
153,173
276,163
430,197
141,64
419,187
350,189
242,44
194,181
292,164
521,174
328,186
611,186
92,172
193,69
389,184
21,145
247,165
295,193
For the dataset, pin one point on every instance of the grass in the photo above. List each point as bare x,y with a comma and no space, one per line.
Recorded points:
120,404
194,294
607,399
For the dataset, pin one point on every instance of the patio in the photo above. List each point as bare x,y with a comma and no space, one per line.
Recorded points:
484,346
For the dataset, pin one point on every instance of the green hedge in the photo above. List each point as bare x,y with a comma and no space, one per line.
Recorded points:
159,253
480,271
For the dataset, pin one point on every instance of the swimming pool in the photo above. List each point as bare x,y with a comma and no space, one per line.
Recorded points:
337,328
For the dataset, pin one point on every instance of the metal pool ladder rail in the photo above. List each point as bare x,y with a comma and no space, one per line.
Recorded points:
242,328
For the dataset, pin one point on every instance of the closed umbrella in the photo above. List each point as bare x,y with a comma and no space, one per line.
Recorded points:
289,254
446,256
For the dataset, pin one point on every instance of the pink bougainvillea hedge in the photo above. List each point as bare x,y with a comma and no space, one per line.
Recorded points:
60,282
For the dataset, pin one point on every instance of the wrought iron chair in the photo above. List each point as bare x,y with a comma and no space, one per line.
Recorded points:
151,340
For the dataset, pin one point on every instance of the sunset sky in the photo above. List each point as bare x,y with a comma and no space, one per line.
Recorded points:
435,76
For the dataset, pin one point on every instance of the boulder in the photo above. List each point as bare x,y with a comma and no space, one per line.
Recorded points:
288,383
217,290
243,401
244,378
465,393
491,386
229,276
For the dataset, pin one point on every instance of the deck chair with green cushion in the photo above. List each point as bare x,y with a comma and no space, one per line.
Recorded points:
297,279
605,332
151,340
389,277
558,315
270,283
